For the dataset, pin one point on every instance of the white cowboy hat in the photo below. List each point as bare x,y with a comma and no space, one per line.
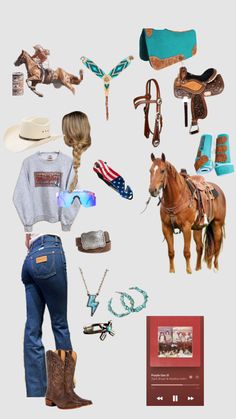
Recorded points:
40,48
31,132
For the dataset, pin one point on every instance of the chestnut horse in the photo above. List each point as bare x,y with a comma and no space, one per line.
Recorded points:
178,201
37,75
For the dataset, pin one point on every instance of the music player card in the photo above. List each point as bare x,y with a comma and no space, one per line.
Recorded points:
175,361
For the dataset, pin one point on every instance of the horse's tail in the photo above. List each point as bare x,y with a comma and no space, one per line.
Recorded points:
209,243
75,79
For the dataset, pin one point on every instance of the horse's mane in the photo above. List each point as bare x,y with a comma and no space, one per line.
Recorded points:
25,52
173,171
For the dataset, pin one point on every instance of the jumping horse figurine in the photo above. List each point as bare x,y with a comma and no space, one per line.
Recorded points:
37,74
184,202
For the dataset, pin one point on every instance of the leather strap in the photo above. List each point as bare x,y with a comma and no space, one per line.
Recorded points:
106,248
147,101
186,114
175,210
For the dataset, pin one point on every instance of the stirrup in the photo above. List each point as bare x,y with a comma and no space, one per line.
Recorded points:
205,220
176,230
194,130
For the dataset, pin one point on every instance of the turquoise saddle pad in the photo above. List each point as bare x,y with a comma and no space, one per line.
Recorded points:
164,47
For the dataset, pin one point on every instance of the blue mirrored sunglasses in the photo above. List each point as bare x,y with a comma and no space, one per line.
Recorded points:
65,198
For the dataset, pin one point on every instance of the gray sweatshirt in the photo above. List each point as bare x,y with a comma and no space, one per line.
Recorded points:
42,175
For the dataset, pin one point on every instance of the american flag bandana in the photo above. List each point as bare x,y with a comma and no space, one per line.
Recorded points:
112,179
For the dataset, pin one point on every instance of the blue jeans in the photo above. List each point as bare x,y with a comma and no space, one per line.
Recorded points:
45,279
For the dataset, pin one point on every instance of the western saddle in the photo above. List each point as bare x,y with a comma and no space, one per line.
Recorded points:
204,193
196,88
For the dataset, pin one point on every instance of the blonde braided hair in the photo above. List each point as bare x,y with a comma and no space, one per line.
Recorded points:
76,130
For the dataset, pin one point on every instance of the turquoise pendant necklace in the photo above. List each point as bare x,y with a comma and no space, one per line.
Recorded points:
92,303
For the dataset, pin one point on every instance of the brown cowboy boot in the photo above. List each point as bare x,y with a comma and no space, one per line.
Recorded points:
70,363
56,394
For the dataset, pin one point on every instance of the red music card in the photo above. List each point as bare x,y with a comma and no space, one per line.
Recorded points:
175,360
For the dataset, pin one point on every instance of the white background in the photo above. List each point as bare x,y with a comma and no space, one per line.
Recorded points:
112,373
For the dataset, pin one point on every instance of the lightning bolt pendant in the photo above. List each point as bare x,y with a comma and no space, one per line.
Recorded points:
92,303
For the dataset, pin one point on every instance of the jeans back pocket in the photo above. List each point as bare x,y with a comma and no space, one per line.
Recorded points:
43,264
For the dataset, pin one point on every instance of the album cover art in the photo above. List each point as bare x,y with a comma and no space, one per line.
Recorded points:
175,342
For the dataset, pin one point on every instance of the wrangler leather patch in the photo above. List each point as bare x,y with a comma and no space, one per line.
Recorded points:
47,179
41,259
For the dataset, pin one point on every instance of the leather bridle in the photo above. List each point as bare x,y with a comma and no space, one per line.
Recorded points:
163,181
147,101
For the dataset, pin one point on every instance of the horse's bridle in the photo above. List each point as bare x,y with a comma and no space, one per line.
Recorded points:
164,180
20,59
162,186
171,211
23,59
147,100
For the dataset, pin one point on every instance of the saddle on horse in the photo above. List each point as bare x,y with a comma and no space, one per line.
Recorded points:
46,74
147,100
164,47
197,87
204,193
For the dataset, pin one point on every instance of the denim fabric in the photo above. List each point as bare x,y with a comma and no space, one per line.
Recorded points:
45,279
